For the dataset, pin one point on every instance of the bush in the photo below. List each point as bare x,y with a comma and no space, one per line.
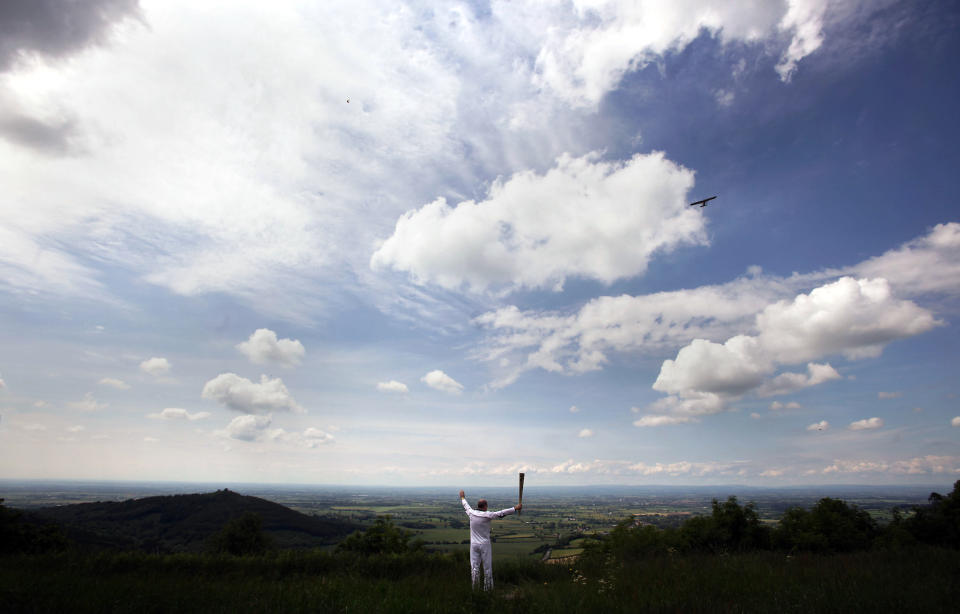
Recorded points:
382,538
729,528
831,526
241,536
938,522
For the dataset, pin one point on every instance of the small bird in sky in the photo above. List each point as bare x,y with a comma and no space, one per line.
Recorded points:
348,101
702,203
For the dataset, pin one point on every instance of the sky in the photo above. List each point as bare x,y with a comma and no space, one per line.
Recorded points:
441,243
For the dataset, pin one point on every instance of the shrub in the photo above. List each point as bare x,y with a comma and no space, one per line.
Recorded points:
382,538
831,526
240,536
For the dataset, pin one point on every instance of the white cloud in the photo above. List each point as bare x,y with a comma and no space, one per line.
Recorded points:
919,465
777,405
785,383
263,347
392,386
155,366
439,380
248,427
113,382
724,98
87,404
955,421
77,428
585,433
866,424
315,437
927,264
241,394
651,324
855,318
804,19
662,420
3,384
176,413
574,409
889,395
590,48
583,218
771,473
823,425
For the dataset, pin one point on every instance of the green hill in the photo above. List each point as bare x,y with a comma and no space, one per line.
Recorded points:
184,523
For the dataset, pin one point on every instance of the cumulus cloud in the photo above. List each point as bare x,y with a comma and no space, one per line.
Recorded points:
3,384
248,427
651,324
927,264
574,409
919,465
866,424
87,404
583,218
581,342
439,380
314,437
240,394
889,395
955,421
176,413
851,317
585,433
819,426
392,386
113,382
155,366
785,383
263,347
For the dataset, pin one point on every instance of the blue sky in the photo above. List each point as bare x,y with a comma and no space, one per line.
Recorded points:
441,243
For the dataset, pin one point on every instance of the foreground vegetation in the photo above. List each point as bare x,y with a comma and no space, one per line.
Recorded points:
832,557
919,579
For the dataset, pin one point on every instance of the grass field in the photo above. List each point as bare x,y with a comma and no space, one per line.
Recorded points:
917,580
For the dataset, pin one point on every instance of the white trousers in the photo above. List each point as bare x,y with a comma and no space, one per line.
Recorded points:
481,553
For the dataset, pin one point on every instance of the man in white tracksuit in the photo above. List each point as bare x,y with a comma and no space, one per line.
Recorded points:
481,550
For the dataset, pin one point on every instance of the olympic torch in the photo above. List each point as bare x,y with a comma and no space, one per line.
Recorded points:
521,493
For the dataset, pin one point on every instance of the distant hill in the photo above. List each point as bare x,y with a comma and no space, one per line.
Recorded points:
184,523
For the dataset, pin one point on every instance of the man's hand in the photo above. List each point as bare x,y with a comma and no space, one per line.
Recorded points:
518,506
461,494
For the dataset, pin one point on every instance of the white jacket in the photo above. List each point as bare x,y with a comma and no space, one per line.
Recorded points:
480,522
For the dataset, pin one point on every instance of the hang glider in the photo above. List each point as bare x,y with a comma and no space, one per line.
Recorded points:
702,203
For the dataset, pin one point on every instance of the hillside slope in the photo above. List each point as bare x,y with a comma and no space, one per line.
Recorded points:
183,523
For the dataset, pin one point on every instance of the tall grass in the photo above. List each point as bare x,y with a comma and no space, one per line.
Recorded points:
914,580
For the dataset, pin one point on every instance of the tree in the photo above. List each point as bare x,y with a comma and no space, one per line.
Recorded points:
241,536
17,535
729,528
382,538
831,526
938,522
